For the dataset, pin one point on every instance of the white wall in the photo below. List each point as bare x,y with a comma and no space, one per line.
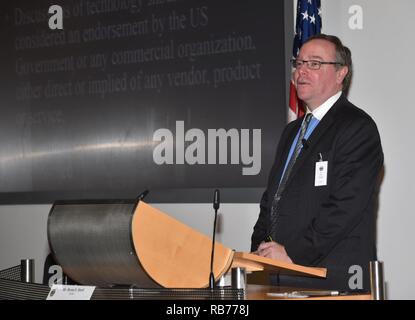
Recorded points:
384,71
382,85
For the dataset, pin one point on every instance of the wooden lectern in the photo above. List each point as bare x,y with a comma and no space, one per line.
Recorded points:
177,256
111,244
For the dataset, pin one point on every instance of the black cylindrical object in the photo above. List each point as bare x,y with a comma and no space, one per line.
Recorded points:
27,270
92,242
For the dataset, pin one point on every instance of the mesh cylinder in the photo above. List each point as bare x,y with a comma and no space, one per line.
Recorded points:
92,242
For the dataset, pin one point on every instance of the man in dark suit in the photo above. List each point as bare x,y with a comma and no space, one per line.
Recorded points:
319,210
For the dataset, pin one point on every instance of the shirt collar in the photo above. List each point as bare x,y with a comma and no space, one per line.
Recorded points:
321,110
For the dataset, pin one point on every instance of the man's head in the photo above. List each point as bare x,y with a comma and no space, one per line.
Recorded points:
317,82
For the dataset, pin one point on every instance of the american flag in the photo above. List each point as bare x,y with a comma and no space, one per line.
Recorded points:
308,23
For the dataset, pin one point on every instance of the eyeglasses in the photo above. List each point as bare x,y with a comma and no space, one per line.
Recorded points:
311,64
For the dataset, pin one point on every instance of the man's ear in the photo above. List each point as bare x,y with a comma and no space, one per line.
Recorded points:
341,74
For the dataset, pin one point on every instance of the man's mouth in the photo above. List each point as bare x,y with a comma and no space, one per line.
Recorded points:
302,82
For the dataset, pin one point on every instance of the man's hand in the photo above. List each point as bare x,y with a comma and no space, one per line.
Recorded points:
273,250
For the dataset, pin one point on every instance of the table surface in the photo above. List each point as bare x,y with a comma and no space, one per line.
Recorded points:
266,292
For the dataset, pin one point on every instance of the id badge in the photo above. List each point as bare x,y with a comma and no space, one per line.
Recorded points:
321,173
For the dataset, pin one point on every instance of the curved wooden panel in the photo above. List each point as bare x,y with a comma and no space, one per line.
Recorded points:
173,254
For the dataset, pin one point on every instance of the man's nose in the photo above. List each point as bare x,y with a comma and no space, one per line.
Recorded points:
302,70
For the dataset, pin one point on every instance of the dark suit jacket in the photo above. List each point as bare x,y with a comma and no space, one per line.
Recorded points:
331,226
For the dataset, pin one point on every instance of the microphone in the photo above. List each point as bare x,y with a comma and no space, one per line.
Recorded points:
216,200
142,195
305,144
216,203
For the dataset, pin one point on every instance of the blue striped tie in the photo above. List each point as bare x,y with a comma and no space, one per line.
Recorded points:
281,187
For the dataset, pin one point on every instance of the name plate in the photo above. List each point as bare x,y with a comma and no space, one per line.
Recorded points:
70,292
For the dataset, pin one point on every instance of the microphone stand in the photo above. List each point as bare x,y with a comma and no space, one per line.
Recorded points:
216,202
